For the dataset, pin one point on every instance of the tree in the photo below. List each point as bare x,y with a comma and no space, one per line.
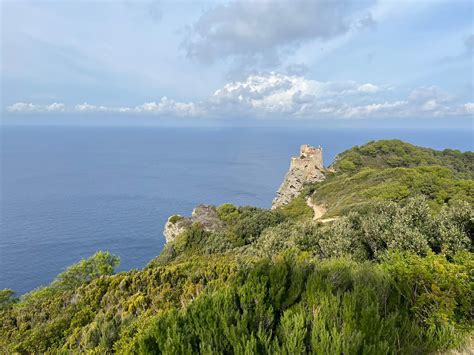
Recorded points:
7,297
99,264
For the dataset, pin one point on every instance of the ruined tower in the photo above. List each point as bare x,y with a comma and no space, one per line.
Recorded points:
307,167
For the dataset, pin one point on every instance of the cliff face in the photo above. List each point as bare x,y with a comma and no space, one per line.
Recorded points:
307,167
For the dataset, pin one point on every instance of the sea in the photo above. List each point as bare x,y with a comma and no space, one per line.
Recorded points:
67,192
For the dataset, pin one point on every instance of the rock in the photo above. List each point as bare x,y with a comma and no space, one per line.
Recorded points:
203,215
307,167
207,217
175,227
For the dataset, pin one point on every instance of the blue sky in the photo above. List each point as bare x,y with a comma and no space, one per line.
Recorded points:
259,60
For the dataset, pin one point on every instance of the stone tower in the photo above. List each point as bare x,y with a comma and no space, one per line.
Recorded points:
307,167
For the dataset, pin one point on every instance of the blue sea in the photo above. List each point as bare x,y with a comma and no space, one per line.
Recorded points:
67,192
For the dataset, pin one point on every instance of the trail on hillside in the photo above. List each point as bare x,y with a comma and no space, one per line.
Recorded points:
319,211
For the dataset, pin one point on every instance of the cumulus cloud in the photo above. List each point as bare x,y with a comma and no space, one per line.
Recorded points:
85,107
469,108
277,95
265,29
169,106
24,107
368,88
164,106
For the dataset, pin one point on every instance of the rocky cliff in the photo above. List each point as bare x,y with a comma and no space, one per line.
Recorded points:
204,215
307,167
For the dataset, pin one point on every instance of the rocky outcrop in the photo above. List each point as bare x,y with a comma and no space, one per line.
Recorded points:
203,215
307,167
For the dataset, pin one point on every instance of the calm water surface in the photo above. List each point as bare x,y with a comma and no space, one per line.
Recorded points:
67,192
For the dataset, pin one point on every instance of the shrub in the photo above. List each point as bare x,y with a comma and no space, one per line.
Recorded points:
297,209
250,225
175,218
7,298
228,212
437,291
99,264
292,305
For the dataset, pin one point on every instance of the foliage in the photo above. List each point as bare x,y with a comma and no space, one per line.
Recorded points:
99,264
107,310
384,154
291,306
341,193
373,229
7,298
249,227
243,225
175,218
438,291
297,209
228,212
391,273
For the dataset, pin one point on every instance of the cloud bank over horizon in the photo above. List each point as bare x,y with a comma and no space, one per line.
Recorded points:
275,95
252,59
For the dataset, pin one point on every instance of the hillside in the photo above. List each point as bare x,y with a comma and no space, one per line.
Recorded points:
393,171
384,154
391,273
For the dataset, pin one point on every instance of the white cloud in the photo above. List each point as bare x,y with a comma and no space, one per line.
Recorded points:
429,105
368,88
377,109
276,92
85,107
275,95
164,106
23,107
169,106
425,93
469,108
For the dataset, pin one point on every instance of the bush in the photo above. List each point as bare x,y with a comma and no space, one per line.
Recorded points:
175,218
7,298
249,227
294,306
384,154
297,209
342,193
99,264
437,291
228,212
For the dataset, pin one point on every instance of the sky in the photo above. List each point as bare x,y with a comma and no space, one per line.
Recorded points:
264,61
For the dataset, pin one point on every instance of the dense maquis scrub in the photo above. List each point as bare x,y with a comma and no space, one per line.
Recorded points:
397,154
391,272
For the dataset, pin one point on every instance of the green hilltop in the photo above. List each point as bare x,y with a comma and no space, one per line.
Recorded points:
386,269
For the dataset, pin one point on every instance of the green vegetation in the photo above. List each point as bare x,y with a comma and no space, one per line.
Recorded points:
7,298
394,171
292,305
342,192
397,154
392,273
175,218
297,209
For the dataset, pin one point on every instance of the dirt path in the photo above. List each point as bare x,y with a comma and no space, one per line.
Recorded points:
319,211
